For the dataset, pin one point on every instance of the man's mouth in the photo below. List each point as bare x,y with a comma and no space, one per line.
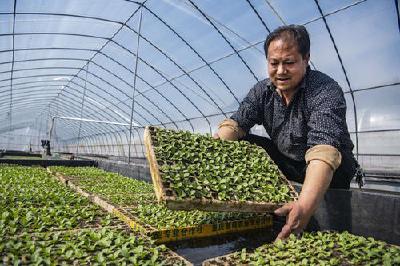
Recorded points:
282,78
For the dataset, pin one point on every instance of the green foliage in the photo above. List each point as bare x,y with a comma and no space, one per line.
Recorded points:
86,247
159,216
122,190
321,248
196,166
33,201
24,187
44,223
53,218
113,187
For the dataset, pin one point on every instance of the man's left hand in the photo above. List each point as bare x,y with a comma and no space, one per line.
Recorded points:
296,219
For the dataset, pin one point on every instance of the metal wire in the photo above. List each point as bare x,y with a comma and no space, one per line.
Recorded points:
81,113
93,92
10,112
108,71
134,84
396,3
223,36
335,11
108,40
111,40
258,16
194,51
375,87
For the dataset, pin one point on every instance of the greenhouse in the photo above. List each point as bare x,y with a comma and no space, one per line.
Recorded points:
108,112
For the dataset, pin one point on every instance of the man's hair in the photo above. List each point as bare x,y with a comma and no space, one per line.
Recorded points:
296,33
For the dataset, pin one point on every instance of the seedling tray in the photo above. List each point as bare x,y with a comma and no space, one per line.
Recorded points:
316,248
116,245
117,189
71,231
170,234
165,194
163,235
32,201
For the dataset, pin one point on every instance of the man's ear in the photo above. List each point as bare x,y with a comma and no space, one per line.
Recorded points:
307,58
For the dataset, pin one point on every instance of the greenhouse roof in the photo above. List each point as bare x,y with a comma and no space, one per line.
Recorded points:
95,68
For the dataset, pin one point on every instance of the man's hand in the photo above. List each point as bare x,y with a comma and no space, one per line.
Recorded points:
229,130
298,213
296,219
215,135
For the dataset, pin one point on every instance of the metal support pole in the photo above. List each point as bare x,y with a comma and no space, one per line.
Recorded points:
39,132
11,80
83,102
134,85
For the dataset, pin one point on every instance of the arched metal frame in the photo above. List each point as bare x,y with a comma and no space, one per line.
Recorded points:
67,96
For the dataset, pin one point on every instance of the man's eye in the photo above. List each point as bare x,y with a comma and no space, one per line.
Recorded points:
289,63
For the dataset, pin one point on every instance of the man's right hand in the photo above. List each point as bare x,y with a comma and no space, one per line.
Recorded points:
296,219
229,130
216,136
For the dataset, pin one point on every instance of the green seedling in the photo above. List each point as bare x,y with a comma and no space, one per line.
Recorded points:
42,222
320,248
195,166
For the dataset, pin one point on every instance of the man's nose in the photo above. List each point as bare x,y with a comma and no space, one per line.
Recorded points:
281,69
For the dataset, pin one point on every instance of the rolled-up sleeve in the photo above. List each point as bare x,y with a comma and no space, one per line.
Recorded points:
250,111
327,122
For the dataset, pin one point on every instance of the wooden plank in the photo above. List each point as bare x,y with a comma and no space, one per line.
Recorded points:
151,157
222,206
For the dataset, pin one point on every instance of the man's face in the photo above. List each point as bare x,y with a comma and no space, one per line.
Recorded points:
286,66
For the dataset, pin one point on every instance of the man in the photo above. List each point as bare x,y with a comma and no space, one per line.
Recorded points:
304,113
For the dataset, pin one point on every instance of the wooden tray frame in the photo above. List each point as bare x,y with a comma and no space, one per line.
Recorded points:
202,204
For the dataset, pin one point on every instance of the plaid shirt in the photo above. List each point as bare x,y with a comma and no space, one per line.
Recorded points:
316,115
